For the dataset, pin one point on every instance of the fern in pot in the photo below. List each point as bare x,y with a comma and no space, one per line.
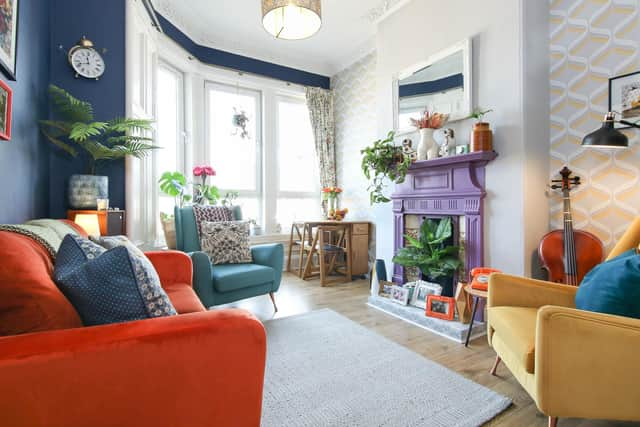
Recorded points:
430,252
75,131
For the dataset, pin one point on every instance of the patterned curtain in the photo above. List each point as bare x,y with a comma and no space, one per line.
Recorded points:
320,104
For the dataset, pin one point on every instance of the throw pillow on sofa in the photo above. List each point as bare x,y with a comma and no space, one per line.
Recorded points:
109,286
612,287
226,242
110,242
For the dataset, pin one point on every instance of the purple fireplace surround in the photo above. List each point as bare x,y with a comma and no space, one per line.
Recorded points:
449,186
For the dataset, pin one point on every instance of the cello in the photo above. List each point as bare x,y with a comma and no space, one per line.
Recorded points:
568,254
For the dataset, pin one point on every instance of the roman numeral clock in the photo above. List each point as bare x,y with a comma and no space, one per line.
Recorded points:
85,60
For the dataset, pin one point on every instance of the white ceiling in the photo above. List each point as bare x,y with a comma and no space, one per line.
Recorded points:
347,32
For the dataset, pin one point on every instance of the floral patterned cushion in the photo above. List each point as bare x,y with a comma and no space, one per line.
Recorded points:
210,214
109,286
226,242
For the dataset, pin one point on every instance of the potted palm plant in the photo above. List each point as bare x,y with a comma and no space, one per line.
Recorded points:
75,131
436,260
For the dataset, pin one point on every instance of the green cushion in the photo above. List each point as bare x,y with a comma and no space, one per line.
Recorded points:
231,277
612,287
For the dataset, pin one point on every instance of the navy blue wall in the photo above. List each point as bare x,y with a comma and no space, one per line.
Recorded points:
103,22
24,160
242,63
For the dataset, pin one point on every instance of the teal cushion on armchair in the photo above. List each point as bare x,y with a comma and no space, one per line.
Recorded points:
187,238
231,277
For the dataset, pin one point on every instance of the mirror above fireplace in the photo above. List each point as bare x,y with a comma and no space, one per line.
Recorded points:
441,83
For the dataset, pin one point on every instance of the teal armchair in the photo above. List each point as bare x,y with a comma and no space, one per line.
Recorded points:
225,283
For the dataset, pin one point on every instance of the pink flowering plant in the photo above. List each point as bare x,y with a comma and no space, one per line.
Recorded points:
201,190
175,184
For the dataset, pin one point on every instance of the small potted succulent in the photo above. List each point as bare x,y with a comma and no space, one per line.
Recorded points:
481,135
383,161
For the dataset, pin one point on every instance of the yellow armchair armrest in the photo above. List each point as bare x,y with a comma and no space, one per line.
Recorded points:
586,364
516,291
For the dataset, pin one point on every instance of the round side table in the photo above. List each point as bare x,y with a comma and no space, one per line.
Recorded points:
476,295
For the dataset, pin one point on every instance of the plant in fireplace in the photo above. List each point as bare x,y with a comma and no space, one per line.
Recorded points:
431,253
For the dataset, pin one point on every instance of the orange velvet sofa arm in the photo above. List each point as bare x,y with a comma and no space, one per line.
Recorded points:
199,369
172,267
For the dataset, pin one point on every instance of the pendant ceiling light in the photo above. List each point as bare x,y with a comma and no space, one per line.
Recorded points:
291,19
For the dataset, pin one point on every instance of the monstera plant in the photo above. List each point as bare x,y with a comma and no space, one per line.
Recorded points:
429,252
75,131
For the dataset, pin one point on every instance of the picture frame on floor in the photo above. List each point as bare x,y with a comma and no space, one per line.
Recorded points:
624,97
9,37
441,307
6,104
400,295
423,290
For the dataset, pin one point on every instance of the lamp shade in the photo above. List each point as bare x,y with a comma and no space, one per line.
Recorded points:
89,223
291,19
607,136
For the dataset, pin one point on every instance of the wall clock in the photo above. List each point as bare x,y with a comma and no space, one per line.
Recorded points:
85,60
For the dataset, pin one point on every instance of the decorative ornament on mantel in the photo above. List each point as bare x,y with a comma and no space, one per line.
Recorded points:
427,124
291,19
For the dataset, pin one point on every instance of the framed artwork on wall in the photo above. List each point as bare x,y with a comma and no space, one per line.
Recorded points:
9,37
624,97
6,101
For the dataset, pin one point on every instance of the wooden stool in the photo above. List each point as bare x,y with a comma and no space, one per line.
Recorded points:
330,244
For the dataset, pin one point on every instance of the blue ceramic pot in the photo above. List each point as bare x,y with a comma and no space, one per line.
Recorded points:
84,190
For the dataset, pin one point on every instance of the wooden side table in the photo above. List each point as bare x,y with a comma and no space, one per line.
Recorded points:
476,295
112,222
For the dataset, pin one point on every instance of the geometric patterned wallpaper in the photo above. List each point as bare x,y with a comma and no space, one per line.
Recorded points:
592,40
356,127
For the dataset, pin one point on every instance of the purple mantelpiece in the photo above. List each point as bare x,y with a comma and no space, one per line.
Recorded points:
448,186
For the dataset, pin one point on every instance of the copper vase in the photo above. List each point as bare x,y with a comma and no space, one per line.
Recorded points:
481,137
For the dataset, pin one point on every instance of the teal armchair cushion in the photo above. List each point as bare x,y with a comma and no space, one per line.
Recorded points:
187,238
612,287
231,277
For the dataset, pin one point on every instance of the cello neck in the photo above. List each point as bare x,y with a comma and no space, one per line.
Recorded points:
571,269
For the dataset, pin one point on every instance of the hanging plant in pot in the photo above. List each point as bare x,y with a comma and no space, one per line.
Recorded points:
75,131
381,162
426,125
436,260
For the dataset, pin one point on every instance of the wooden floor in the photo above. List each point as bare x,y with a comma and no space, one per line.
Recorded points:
297,296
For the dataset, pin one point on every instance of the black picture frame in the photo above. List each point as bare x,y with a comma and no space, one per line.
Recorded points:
8,69
612,91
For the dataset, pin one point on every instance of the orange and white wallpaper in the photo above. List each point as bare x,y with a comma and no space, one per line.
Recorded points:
592,40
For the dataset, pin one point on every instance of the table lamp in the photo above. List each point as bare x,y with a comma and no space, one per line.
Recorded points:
608,136
89,223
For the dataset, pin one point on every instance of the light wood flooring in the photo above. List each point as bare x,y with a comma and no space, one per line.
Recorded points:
297,296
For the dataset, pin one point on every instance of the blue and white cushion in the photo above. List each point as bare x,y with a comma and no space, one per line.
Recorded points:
109,286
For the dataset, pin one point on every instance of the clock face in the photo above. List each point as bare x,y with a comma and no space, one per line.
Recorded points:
87,62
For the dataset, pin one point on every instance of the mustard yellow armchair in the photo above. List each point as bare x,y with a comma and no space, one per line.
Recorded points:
573,363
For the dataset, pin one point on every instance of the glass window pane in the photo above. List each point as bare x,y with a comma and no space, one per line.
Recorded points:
233,157
297,209
297,162
250,208
168,121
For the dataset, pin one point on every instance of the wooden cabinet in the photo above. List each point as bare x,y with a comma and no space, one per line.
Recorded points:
112,222
360,248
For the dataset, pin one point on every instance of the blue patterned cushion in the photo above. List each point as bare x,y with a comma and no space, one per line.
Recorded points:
109,286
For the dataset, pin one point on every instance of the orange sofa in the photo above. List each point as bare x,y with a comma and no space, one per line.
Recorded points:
200,368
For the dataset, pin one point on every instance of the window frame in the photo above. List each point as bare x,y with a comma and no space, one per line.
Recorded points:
259,192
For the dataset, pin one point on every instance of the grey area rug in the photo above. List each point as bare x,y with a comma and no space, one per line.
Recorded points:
325,370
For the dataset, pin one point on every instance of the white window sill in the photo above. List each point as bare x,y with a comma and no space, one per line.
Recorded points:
269,238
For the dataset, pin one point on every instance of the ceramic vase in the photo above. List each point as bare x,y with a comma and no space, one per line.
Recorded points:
427,148
85,190
481,137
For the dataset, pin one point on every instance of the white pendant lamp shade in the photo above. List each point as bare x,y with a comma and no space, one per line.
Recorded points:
291,19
